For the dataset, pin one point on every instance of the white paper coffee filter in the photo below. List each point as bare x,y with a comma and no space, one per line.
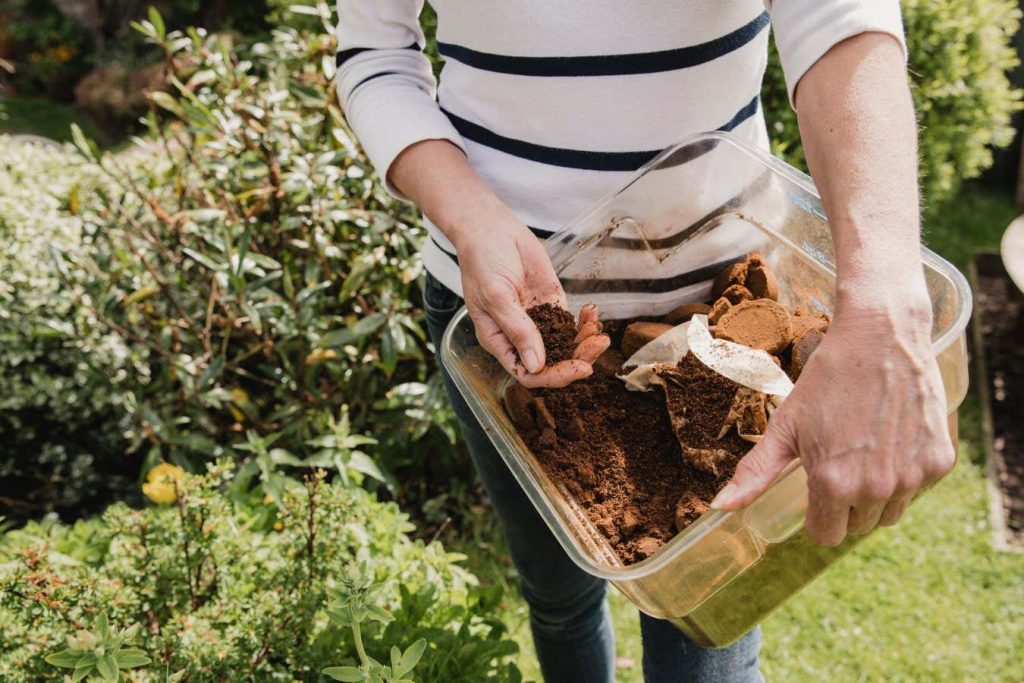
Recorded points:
665,348
752,368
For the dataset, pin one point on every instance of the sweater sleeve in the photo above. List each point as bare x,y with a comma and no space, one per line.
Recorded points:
384,81
806,29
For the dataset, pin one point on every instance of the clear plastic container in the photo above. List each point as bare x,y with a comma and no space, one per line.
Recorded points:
709,195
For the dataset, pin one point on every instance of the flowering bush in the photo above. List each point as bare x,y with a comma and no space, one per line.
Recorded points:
224,585
62,412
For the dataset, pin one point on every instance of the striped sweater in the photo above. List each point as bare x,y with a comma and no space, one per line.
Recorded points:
556,102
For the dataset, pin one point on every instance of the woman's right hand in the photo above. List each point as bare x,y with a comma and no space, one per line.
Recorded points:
505,270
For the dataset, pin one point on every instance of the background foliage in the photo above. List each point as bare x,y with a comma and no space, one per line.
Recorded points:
270,281
960,53
62,409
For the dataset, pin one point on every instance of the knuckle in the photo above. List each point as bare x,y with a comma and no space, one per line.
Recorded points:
877,489
834,483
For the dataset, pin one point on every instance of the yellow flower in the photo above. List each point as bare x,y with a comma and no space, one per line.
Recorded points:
160,483
278,525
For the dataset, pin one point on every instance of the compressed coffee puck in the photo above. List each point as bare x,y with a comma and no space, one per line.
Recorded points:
718,309
760,324
680,314
737,294
762,283
801,323
803,346
640,334
735,274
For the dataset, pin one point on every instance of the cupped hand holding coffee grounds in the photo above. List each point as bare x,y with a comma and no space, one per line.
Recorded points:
570,347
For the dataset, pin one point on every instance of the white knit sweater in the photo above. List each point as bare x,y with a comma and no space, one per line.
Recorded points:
555,102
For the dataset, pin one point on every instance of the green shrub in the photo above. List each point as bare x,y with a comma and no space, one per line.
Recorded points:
61,411
250,253
960,52
220,585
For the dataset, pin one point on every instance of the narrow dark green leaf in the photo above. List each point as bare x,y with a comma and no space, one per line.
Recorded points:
349,674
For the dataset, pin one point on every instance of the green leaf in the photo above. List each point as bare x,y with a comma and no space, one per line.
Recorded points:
365,326
132,657
411,657
86,146
350,674
158,22
204,260
361,462
308,292
82,670
67,659
168,102
379,614
211,372
102,626
140,294
107,668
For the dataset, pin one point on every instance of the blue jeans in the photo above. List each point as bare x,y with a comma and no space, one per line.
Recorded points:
569,617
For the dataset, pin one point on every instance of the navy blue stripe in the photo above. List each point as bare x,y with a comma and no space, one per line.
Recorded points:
622,285
539,232
574,158
644,285
609,65
344,55
370,78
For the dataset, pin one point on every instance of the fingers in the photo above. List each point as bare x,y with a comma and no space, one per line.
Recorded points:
827,517
557,376
894,510
757,470
592,347
588,314
588,329
495,342
864,518
505,309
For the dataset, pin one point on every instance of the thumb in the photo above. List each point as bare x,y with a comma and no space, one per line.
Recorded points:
757,469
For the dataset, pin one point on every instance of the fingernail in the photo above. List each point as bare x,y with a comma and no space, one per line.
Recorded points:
530,361
724,496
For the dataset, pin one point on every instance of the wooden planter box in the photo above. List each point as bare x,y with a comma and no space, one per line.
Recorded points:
989,264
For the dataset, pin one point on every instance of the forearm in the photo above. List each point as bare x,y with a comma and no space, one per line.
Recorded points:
437,176
859,133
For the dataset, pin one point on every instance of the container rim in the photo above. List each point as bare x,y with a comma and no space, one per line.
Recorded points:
557,249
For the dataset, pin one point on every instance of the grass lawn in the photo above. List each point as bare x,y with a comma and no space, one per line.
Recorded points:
928,600
39,116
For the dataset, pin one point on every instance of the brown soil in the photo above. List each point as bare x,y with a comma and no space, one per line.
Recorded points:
1001,312
558,328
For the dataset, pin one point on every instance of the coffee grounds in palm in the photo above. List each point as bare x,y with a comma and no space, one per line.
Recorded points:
558,329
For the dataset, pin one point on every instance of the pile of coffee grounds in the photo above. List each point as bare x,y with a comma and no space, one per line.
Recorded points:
557,328
614,452
701,398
